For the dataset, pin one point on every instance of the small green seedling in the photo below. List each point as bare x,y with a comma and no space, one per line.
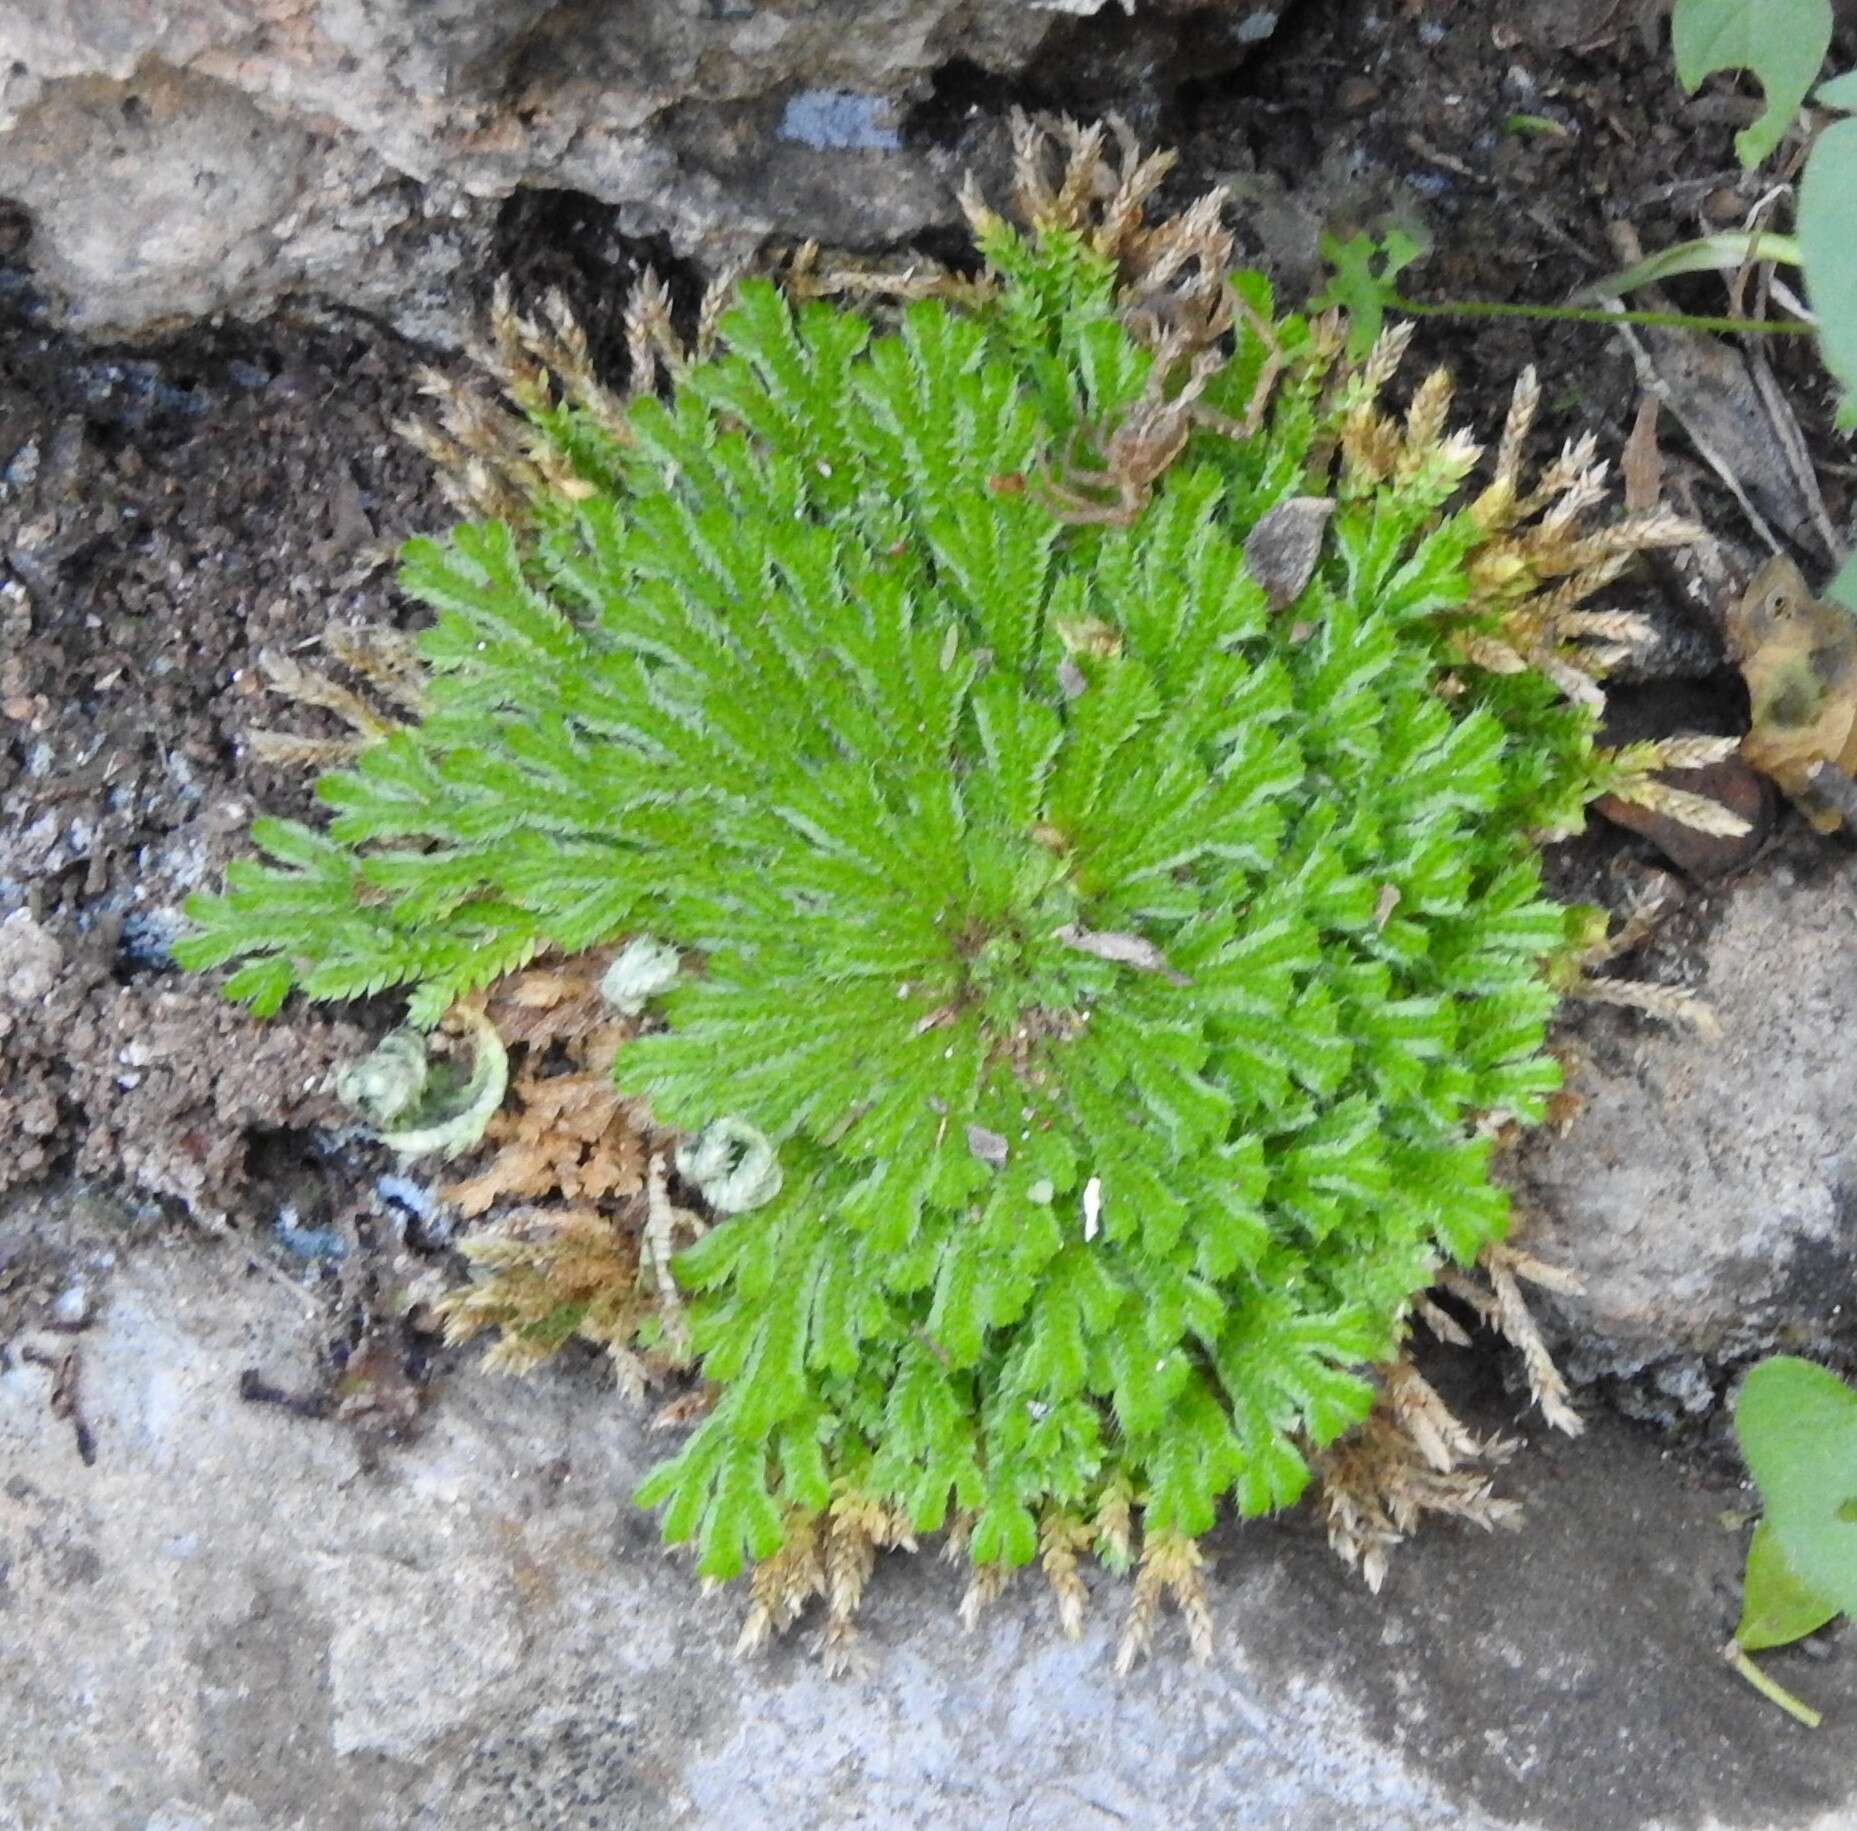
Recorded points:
1797,1426
1363,276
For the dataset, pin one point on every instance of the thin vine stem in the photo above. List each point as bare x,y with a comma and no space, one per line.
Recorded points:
1769,1688
1577,314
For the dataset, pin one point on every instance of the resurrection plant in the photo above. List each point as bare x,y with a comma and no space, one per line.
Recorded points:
1047,799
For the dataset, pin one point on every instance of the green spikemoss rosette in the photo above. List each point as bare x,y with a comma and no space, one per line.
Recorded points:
1124,970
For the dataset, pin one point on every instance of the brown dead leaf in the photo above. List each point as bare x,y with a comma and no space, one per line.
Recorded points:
1798,654
1741,431
1282,550
1732,784
1642,462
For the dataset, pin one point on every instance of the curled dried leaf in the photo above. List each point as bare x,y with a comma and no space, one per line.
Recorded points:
1281,552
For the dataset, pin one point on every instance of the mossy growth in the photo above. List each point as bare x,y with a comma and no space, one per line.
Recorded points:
1110,886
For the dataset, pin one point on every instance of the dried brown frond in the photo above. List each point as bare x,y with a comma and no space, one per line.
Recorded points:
986,1583
1673,1004
1503,1308
565,1134
1171,1564
292,680
1614,626
781,1586
1370,451
1576,461
1492,656
874,281
1691,750
718,295
1114,1526
542,1279
1440,1322
1085,177
652,345
1328,337
856,1529
383,659
1383,360
1530,580
1644,533
386,659
1439,467
498,475
1144,1608
1063,1539
557,1001
1701,812
1411,1456
510,357
1126,210
1096,182
687,1408
561,348
1503,1265
569,1159
1637,927
286,750
1524,403
1578,685
1032,198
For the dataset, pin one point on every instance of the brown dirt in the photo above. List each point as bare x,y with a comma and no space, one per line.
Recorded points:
164,515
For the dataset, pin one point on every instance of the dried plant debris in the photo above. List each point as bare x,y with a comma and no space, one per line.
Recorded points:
47,1301
1578,974
1411,1457
564,1177
371,1386
1798,654
380,659
1499,1304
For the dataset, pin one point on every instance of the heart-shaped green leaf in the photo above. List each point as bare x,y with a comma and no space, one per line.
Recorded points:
1797,1425
1776,1608
1782,41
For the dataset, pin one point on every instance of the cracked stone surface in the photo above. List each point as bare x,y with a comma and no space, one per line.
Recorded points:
229,1622
1707,1193
189,157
